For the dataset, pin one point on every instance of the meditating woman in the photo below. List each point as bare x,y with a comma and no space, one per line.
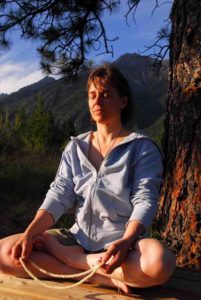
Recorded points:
113,176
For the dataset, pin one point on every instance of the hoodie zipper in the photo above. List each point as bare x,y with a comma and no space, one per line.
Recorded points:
95,184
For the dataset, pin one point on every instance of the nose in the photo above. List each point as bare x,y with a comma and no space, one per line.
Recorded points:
99,99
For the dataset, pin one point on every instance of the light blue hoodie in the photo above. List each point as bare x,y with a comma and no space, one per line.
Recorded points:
125,188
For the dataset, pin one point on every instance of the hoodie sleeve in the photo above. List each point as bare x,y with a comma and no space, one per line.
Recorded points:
61,197
147,181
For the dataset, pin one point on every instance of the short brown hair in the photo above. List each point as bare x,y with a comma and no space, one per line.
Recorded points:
113,76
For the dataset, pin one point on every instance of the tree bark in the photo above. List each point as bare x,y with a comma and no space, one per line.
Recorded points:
179,214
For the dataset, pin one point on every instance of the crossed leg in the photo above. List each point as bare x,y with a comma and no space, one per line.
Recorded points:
44,257
149,263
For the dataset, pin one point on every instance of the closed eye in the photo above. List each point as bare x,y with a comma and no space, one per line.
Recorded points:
104,95
92,95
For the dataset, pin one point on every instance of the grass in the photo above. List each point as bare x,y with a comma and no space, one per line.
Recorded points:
24,181
26,178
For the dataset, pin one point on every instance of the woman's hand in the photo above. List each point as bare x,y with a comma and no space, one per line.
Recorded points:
41,222
118,251
115,255
22,248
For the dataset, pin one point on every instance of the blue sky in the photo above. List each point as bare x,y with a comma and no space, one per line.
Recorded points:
20,66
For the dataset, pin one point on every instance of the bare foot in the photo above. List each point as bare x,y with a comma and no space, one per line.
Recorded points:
110,282
72,256
122,286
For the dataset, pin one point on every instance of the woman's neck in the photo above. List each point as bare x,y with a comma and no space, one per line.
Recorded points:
109,131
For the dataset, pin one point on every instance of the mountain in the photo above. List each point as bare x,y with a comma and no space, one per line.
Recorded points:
3,96
36,86
68,99
20,98
149,90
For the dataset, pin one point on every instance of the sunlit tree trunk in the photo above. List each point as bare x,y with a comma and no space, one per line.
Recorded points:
179,213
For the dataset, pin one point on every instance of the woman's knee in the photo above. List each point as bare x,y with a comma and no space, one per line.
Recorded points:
168,263
159,261
4,256
6,245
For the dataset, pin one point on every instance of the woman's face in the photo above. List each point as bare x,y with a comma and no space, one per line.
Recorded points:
105,104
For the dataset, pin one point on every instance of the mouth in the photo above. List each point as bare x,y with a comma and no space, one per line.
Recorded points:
99,111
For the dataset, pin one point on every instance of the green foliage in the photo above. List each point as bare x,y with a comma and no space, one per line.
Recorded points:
27,177
4,129
156,131
24,181
11,132
37,133
62,133
18,129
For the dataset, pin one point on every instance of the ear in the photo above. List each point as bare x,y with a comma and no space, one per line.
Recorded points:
124,101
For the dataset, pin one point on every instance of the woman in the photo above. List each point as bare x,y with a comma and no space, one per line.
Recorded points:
115,176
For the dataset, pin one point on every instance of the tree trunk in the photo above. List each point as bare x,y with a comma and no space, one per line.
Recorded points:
179,214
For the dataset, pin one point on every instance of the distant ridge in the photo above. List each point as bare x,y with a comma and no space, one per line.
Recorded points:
68,99
38,85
